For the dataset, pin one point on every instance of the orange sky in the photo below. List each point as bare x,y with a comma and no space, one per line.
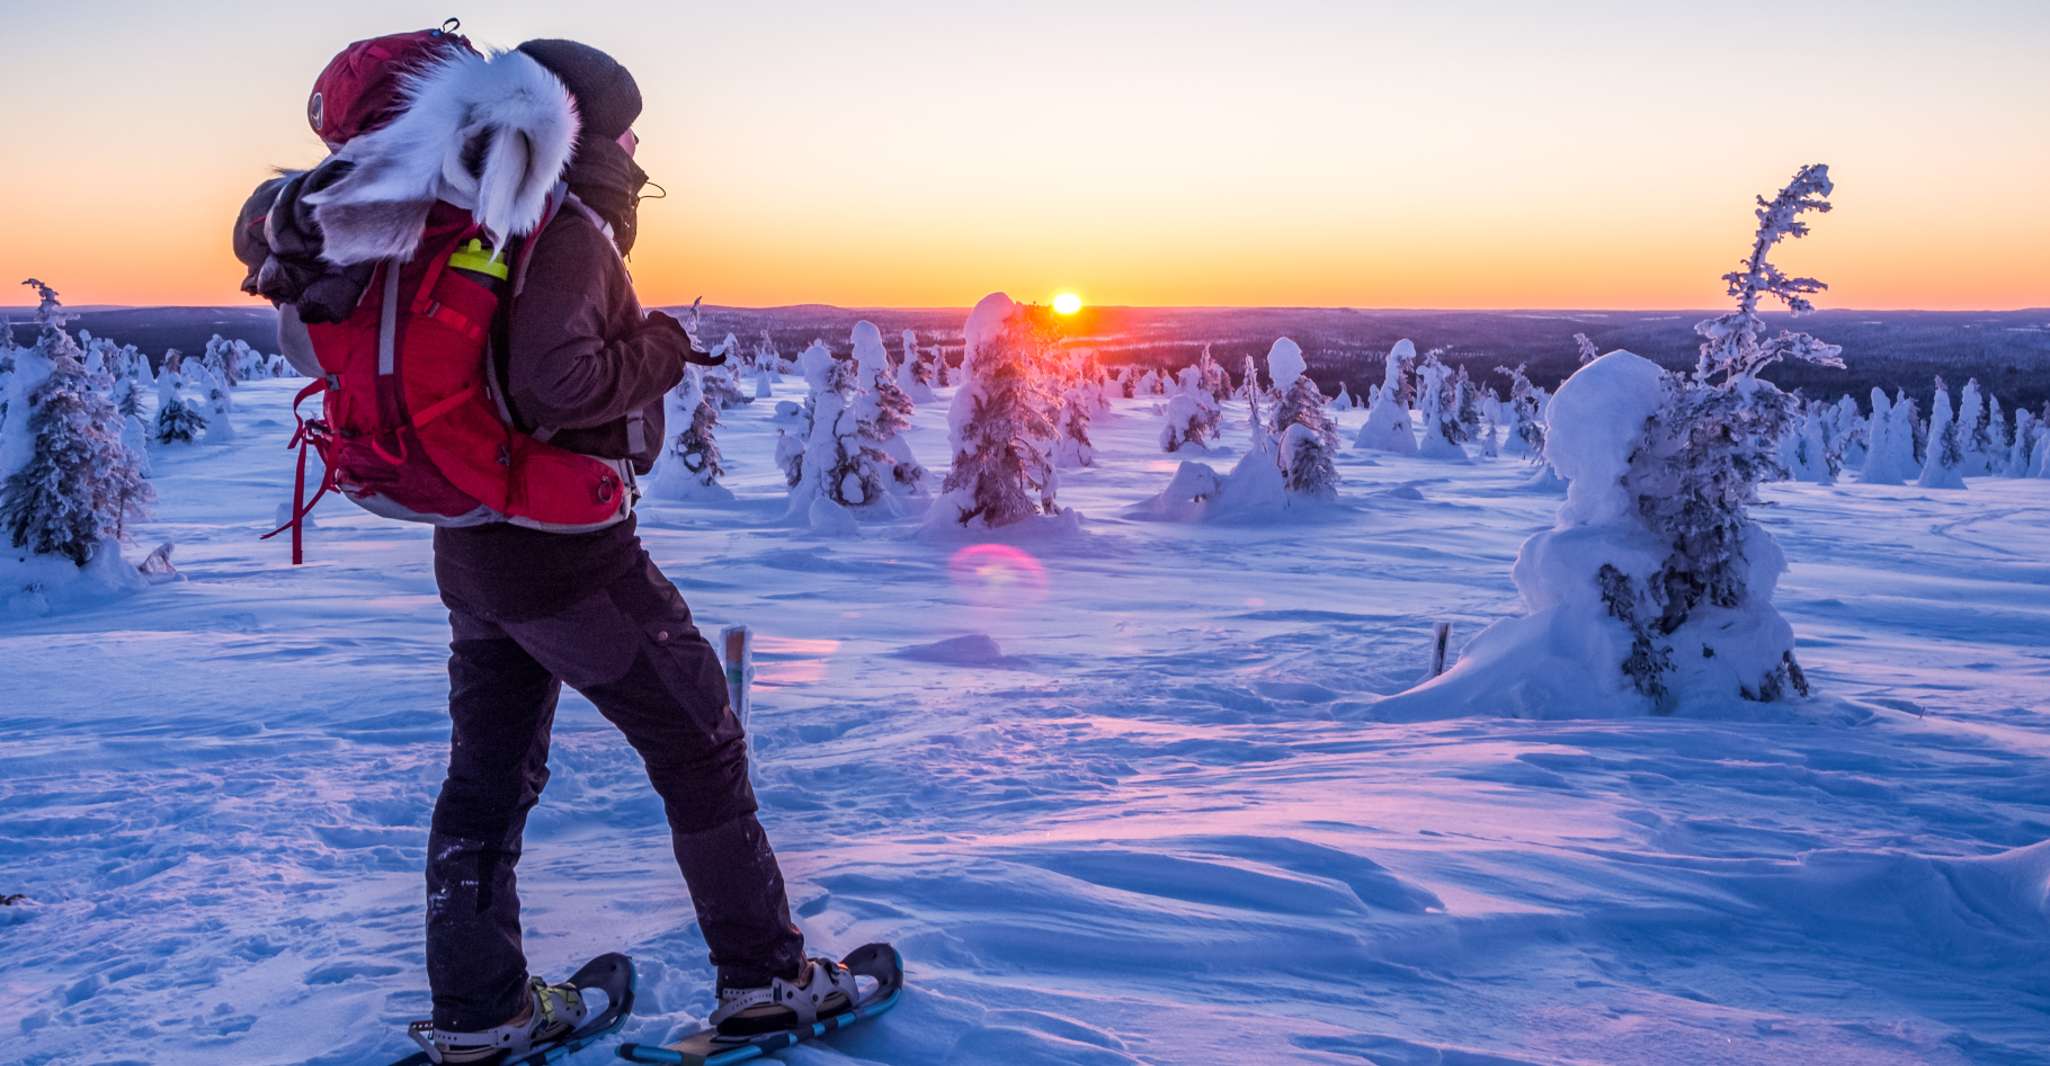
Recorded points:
1592,155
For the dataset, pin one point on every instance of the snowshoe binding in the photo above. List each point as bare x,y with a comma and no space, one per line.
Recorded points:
560,1019
752,1022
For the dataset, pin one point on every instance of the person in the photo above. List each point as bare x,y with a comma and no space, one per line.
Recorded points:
532,610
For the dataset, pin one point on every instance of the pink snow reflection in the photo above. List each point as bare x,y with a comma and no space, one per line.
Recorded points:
998,573
792,660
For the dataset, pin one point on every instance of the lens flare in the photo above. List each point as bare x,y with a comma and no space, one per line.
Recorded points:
998,573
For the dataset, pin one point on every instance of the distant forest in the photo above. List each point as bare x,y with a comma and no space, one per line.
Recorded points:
2008,351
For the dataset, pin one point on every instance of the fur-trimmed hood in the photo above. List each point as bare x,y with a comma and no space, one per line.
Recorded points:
492,133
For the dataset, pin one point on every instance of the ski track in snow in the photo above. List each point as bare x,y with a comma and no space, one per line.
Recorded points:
1143,815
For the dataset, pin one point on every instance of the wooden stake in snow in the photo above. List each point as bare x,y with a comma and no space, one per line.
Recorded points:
1441,636
740,667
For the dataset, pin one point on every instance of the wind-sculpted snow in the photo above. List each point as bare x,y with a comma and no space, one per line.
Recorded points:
1123,794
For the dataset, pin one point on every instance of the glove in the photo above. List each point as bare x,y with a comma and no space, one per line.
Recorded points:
692,351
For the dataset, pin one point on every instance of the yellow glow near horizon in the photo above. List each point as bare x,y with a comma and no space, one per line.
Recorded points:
1067,303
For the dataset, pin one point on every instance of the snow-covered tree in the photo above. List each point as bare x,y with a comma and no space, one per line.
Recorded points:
1654,591
1588,352
691,465
1343,401
1192,411
914,374
1308,440
178,421
1526,436
220,427
998,424
1437,403
1944,464
1993,440
1071,444
1215,383
2021,448
68,488
1971,428
1466,406
841,467
1388,427
1249,381
1735,345
882,409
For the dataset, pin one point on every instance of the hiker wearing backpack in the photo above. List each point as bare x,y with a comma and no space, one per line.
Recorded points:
452,277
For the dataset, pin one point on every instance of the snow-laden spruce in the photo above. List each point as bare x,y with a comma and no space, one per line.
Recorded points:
1003,472
882,410
1307,438
914,373
1388,427
1526,437
1943,466
1653,593
68,486
690,466
833,467
1438,406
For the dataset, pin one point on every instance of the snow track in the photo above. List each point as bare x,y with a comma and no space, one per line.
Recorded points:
1118,796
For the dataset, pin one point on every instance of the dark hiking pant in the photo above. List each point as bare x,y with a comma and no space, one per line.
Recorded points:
632,650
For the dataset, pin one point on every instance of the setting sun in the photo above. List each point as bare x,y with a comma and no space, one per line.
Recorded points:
1067,303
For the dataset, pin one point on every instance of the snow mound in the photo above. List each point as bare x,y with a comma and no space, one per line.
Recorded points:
971,649
35,585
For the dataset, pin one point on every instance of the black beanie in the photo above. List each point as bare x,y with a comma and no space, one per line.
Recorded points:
608,101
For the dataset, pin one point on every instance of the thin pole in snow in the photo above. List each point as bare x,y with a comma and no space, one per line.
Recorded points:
1441,637
739,645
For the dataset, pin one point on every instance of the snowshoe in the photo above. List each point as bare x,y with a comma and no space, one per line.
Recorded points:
561,1022
829,997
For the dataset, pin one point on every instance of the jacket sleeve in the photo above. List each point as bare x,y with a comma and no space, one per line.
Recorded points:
578,355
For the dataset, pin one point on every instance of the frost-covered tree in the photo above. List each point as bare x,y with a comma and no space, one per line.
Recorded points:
178,421
1526,415
1735,345
1215,383
1192,412
1466,406
1388,427
1071,444
1002,473
1588,352
1308,441
68,487
1971,428
1654,591
1847,435
841,467
1993,440
2020,449
1342,401
882,409
914,373
1249,381
220,427
1437,404
691,465
1944,465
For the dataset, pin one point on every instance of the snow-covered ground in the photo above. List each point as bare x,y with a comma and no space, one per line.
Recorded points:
1145,812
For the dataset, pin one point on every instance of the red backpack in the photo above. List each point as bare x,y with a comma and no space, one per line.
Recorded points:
413,423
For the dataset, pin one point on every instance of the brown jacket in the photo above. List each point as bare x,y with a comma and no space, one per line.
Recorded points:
583,366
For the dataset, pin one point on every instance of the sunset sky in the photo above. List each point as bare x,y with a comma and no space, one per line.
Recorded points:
1343,154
